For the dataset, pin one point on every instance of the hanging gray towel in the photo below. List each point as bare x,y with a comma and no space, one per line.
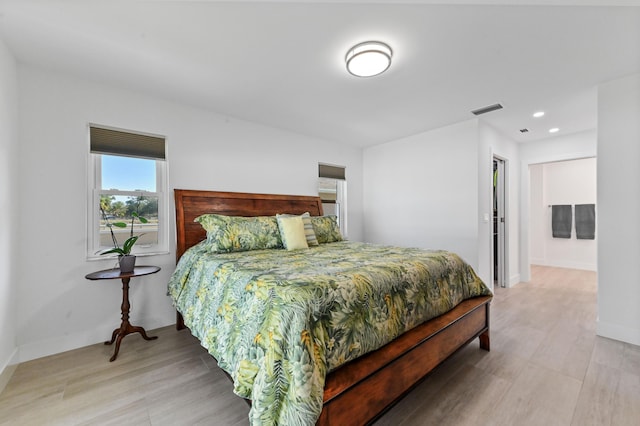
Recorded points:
586,221
561,221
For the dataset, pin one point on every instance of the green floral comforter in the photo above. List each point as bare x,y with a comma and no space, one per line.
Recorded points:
277,321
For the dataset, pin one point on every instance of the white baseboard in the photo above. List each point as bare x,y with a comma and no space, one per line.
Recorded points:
8,370
618,332
515,279
565,264
59,344
538,261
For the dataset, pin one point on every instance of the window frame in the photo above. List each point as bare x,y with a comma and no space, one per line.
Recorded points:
338,175
93,208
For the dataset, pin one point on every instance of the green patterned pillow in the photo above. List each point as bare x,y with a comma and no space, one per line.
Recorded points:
237,233
326,229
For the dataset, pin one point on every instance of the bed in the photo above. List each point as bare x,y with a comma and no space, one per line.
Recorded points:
354,391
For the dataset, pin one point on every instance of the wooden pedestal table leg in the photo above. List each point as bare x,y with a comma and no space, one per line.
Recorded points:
125,327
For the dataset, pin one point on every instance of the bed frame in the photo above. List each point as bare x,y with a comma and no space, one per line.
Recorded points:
360,391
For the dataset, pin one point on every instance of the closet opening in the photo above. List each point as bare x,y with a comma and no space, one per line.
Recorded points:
499,240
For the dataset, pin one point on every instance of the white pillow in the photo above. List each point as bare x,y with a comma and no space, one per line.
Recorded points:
292,232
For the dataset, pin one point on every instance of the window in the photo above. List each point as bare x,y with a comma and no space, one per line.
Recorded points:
332,188
127,176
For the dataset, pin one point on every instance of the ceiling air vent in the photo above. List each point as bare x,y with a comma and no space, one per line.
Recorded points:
524,130
487,109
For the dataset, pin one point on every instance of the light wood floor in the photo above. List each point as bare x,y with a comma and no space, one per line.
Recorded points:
546,367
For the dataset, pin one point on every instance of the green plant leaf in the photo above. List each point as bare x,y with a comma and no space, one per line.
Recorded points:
128,245
140,218
119,224
117,250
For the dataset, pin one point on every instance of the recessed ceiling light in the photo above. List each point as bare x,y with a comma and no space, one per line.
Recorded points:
368,59
538,114
554,130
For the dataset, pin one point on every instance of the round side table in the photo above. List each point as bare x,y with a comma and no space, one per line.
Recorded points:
126,327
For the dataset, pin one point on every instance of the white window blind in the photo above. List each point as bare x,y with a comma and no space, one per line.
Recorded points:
118,142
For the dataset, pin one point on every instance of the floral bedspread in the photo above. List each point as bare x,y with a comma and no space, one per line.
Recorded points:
277,321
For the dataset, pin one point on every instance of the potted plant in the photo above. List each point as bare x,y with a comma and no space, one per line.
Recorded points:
126,260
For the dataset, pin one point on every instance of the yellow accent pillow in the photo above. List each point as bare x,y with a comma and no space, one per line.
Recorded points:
292,232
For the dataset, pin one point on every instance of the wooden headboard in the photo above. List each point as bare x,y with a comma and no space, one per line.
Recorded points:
191,204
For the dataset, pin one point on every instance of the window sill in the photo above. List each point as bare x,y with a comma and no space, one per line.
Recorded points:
93,258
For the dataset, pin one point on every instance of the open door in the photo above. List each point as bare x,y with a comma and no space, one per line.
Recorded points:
500,244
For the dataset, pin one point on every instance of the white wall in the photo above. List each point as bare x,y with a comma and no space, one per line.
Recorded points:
619,209
8,210
422,191
561,148
537,216
493,143
566,182
57,308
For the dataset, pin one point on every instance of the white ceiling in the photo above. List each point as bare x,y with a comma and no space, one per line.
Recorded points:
282,63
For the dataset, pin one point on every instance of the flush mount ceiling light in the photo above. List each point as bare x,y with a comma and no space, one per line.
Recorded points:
554,130
368,59
538,114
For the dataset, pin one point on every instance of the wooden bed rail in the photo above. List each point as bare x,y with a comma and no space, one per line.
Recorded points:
354,395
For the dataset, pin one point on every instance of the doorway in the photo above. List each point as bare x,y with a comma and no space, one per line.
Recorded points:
567,182
499,240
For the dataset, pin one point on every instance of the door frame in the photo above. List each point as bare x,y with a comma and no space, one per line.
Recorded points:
503,254
525,200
